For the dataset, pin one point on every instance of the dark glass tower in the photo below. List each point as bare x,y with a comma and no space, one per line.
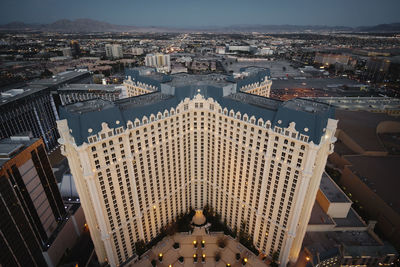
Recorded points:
31,206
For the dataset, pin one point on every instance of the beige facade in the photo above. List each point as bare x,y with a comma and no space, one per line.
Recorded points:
135,88
258,88
136,178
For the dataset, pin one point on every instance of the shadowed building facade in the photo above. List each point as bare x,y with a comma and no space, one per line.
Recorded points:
31,207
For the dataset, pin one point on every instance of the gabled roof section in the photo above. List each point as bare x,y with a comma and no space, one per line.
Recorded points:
258,77
136,77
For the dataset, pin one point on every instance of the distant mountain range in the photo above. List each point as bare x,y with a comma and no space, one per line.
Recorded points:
89,25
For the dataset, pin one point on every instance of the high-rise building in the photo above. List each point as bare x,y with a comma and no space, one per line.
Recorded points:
75,48
137,51
34,108
160,61
376,69
140,162
331,59
67,51
114,51
31,208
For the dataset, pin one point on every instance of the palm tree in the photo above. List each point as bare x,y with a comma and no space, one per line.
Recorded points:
274,260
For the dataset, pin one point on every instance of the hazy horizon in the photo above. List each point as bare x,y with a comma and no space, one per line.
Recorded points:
206,13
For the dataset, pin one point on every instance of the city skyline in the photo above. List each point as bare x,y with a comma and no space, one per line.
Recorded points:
181,14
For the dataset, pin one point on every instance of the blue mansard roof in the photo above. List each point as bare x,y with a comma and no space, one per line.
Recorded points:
147,80
257,77
92,113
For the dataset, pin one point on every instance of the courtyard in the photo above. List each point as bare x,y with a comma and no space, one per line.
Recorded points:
201,247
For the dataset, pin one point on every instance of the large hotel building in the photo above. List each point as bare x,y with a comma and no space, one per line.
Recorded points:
141,161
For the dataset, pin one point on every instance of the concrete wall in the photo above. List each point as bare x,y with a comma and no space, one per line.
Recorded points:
355,147
337,160
320,227
335,209
65,239
349,142
388,127
79,220
322,201
339,210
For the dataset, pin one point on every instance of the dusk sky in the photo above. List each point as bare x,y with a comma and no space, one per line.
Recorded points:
184,13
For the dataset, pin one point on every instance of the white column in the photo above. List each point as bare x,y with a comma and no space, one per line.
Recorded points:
40,126
54,107
298,207
263,186
89,178
100,219
129,160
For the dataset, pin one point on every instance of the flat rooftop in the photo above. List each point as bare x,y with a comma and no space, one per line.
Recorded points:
352,220
9,147
183,79
324,241
355,243
91,87
381,174
307,105
269,103
59,78
89,106
319,217
361,127
332,191
15,94
360,103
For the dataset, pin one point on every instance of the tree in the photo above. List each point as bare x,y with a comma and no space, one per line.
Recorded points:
46,74
140,247
217,256
274,260
222,241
